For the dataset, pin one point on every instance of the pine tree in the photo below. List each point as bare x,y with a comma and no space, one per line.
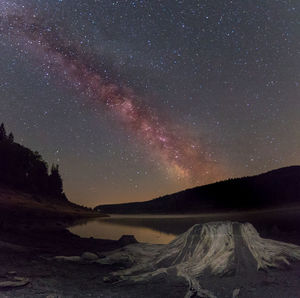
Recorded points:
11,137
2,132
24,169
55,181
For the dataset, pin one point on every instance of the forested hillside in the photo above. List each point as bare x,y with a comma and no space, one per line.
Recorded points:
25,170
277,188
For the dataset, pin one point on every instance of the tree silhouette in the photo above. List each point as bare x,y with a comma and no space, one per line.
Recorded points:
23,169
11,137
2,132
55,181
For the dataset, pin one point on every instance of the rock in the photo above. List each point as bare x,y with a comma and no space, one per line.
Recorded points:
235,293
121,260
110,279
89,256
16,282
71,259
85,257
127,239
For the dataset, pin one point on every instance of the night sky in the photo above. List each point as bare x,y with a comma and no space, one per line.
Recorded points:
136,99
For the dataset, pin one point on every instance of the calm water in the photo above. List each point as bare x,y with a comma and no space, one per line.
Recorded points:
163,229
115,228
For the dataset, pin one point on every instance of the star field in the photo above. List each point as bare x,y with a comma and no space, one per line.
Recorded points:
202,90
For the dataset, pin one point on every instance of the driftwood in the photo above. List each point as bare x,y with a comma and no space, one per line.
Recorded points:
211,249
206,249
14,282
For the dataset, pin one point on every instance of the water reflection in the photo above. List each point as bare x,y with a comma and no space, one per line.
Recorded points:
277,224
109,229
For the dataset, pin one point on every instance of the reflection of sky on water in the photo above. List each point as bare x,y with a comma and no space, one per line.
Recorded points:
162,229
105,229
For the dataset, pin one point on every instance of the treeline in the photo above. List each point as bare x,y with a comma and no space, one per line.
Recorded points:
277,188
23,169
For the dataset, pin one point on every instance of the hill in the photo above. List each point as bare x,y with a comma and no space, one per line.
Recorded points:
25,170
28,190
273,189
17,208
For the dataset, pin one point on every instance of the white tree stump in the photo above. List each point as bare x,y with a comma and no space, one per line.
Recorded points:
216,248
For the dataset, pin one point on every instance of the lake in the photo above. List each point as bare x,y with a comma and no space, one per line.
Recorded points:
161,229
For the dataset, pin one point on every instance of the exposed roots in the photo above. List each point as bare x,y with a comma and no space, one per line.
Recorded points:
267,252
216,248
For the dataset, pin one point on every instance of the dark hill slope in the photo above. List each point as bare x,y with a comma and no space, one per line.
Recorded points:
17,208
28,189
276,188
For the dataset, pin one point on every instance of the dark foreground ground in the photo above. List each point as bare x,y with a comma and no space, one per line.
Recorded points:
26,251
28,254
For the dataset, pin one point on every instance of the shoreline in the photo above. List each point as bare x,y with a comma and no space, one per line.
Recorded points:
28,252
204,214
30,243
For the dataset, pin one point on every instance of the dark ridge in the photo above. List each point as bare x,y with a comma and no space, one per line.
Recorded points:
25,170
277,188
29,190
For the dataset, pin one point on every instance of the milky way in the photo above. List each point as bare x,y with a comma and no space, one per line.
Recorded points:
181,156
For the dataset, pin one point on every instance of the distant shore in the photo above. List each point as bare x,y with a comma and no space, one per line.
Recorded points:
205,214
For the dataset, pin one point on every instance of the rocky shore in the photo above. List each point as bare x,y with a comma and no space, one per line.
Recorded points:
28,269
52,262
